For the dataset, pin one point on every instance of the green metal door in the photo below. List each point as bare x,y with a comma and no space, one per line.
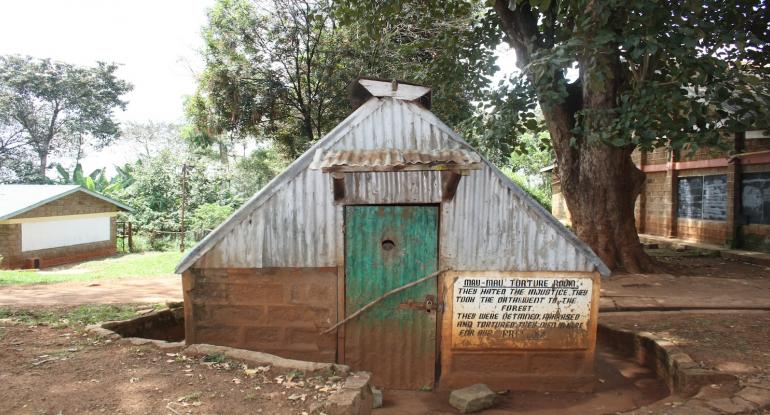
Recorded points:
385,248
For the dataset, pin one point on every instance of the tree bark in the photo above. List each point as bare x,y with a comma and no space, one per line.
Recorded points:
43,163
600,182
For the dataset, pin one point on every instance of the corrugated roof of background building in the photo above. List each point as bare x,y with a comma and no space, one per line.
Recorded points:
16,199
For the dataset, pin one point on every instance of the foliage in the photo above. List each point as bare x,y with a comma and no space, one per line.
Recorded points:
272,69
448,46
524,166
684,72
124,266
254,171
541,193
611,76
533,154
156,194
278,70
208,216
97,180
49,107
150,137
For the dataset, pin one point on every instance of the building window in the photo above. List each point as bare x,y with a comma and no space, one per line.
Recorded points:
702,197
755,197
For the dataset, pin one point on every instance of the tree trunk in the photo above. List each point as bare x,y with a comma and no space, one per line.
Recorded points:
43,164
599,182
600,188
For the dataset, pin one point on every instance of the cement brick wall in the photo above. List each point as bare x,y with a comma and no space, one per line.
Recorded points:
274,310
78,203
559,205
657,204
657,156
709,231
13,257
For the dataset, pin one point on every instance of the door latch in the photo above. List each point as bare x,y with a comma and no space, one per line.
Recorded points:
428,305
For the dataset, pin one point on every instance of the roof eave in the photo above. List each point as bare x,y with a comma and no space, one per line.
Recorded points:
61,195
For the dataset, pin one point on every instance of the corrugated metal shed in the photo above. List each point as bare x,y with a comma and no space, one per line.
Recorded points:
490,224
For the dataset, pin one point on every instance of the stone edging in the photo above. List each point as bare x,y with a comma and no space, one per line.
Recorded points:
103,330
262,359
685,377
354,398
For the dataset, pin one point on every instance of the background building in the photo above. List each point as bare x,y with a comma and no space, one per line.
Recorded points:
47,225
715,196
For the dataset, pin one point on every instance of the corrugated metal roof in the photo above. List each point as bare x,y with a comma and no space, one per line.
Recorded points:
491,224
16,199
389,159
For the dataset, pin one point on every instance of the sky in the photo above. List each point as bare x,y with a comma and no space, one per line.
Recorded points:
156,43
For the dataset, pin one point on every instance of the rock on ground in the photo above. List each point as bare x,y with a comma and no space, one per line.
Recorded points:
473,398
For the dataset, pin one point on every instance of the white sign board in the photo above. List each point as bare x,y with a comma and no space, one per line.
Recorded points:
516,312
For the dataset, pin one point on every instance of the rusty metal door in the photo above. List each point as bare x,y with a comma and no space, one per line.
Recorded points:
385,248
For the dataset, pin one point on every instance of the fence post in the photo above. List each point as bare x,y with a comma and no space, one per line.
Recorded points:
130,238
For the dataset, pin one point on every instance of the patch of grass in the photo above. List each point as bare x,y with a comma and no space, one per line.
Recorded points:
214,358
190,398
146,264
81,315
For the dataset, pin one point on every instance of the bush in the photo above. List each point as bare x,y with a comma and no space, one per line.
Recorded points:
208,216
541,194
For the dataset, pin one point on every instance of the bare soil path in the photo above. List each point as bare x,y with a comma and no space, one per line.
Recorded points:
689,281
47,370
621,386
116,291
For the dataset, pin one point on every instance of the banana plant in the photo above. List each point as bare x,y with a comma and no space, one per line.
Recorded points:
97,180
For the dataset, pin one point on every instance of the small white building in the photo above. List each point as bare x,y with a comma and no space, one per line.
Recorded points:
48,225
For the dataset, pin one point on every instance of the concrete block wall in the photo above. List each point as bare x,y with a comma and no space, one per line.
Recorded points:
655,209
77,203
657,203
559,204
275,310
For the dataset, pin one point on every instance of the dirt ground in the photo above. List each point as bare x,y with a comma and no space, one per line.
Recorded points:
698,263
621,385
46,370
118,291
736,342
49,370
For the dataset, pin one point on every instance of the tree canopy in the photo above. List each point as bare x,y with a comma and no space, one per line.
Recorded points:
279,70
611,76
51,107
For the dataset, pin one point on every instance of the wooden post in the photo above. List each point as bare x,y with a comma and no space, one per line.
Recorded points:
184,202
641,221
130,238
671,204
734,196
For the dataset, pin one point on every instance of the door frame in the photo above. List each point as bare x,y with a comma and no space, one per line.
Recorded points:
341,281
